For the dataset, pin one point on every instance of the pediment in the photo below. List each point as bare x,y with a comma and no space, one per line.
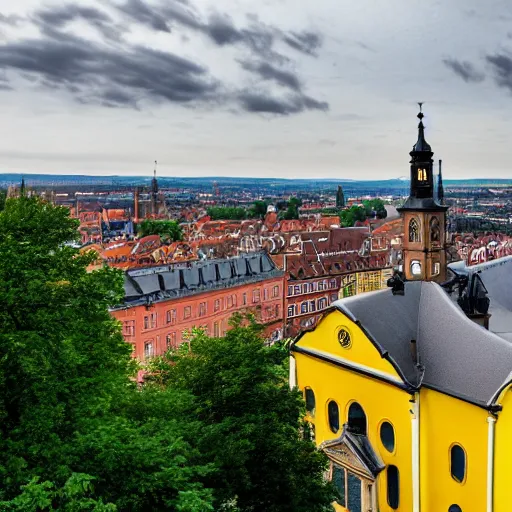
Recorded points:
354,453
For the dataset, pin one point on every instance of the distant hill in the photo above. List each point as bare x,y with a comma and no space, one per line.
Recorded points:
57,181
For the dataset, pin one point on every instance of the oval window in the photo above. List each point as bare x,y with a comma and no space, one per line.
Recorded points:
387,436
310,401
458,463
393,487
333,413
357,419
454,508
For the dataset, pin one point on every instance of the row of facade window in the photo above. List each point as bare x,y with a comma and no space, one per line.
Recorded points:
357,423
415,231
171,338
310,306
314,286
150,321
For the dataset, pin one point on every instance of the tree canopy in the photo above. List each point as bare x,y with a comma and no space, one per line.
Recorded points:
227,213
292,210
350,216
216,428
251,421
70,415
375,208
168,230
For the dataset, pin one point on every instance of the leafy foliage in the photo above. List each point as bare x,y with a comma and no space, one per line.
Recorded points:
168,230
292,211
258,210
375,208
227,213
218,429
251,422
67,404
350,216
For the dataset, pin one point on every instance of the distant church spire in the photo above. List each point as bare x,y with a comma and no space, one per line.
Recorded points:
440,187
22,187
154,192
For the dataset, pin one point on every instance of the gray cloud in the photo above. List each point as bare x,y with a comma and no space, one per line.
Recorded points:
222,30
464,70
51,19
265,104
124,75
305,42
10,19
269,72
501,66
141,12
98,75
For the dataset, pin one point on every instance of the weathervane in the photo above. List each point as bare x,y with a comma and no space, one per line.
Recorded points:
155,168
420,115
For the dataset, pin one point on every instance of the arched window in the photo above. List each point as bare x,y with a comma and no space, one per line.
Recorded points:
387,436
356,419
310,401
414,231
333,414
435,230
454,508
458,463
393,487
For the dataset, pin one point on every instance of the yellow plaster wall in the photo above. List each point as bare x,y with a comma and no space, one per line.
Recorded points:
502,457
380,401
362,351
444,421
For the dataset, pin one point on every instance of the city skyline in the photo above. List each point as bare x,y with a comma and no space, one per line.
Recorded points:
282,89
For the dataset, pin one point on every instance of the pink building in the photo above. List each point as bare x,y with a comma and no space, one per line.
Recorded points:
162,304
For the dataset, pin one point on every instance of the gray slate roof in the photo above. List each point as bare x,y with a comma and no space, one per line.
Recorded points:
459,357
168,282
497,278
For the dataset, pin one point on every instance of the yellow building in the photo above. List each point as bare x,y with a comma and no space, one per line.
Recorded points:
407,394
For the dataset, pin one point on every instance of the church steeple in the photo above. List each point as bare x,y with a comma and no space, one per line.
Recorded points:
424,218
440,187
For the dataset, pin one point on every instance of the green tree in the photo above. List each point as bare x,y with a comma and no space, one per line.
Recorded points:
292,211
168,230
375,208
3,196
258,210
227,213
350,216
251,422
68,405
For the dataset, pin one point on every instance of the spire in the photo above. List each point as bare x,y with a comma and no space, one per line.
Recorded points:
421,144
22,187
440,188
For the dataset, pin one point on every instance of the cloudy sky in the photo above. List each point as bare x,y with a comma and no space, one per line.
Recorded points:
288,88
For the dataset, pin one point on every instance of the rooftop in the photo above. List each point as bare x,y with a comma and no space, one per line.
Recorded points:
157,284
456,356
